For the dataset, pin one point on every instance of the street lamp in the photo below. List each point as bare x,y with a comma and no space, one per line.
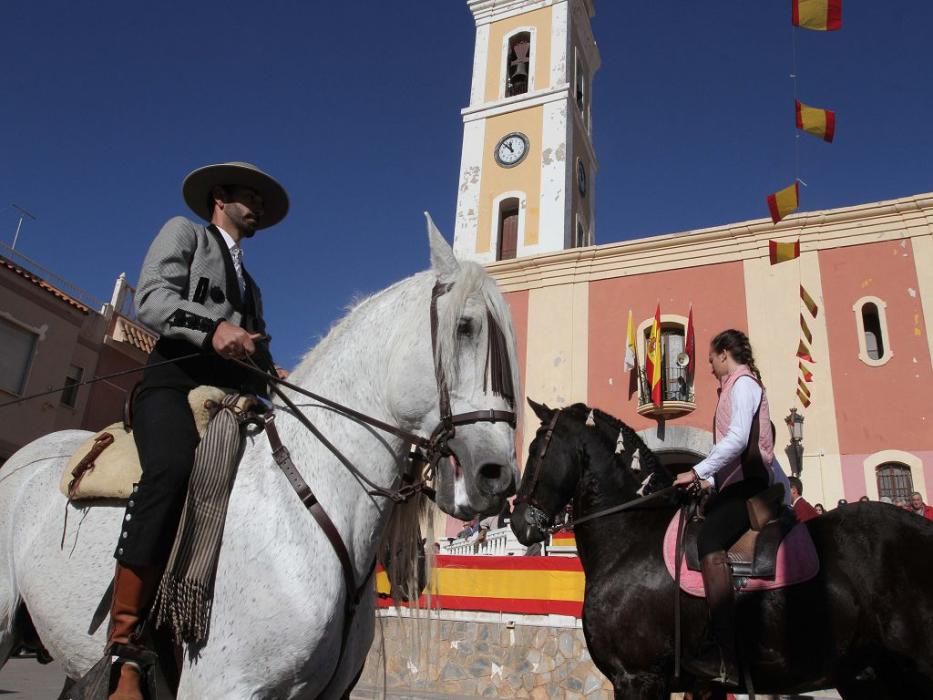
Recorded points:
794,423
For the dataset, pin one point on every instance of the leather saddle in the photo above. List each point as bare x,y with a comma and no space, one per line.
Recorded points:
754,555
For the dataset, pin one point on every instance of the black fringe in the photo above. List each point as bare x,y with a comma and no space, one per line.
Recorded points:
497,362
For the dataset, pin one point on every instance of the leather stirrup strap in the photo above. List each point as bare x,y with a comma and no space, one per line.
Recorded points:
678,562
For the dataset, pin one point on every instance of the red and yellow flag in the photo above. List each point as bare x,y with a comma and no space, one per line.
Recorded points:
784,202
803,387
653,359
816,121
690,347
818,15
804,400
808,302
782,252
803,352
805,372
805,329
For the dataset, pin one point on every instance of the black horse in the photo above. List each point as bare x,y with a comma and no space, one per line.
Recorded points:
864,625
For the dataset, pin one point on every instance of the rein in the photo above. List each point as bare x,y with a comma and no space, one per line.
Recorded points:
628,505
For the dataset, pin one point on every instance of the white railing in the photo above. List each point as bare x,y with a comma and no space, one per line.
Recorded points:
501,542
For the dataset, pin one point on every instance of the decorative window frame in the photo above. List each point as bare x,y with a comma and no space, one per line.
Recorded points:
494,224
39,333
860,328
504,61
909,460
668,407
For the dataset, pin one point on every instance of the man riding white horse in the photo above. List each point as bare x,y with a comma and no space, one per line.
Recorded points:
194,291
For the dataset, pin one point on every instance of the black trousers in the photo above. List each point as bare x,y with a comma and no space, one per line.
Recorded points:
727,516
166,439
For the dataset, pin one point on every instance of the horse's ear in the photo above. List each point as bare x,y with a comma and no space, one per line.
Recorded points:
541,410
443,262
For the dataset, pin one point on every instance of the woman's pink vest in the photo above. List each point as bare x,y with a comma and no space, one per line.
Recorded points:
755,460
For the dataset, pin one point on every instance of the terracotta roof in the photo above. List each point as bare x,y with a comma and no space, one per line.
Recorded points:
41,283
133,334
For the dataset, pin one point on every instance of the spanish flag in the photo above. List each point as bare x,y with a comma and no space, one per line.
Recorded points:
782,252
803,387
806,329
808,302
805,371
804,400
653,359
784,202
816,121
803,352
690,347
818,15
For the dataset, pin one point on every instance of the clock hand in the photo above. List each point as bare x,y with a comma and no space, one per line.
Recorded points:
509,146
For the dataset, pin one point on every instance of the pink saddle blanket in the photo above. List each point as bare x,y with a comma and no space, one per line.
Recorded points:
797,561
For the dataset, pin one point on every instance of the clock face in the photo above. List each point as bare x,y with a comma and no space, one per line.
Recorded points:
581,177
511,150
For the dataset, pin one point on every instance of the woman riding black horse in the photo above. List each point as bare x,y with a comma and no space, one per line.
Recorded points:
739,466
860,625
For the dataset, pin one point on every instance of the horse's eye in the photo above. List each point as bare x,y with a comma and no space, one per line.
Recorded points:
465,327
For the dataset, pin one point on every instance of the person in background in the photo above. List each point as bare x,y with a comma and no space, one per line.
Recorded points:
901,503
918,507
864,499
819,508
803,510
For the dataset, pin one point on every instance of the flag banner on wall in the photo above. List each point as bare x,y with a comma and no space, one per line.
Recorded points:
806,330
819,122
818,15
782,252
653,359
804,400
805,372
803,352
808,302
803,387
690,347
630,344
784,202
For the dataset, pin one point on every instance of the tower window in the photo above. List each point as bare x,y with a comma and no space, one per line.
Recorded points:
580,88
518,64
874,343
508,229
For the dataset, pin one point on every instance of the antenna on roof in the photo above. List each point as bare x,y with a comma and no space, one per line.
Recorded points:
22,214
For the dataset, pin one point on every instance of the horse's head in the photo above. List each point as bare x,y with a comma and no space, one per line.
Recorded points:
570,441
471,374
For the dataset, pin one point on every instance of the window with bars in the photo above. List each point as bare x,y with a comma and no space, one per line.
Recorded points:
17,348
894,480
676,379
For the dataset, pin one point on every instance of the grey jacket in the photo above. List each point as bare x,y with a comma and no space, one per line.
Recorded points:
188,285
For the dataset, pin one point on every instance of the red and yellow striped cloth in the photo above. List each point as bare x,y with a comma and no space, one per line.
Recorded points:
782,252
816,121
818,15
523,585
784,202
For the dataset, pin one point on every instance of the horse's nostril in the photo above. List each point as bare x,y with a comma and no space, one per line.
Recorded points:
491,472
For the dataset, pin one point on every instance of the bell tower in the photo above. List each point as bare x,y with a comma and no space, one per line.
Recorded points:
528,166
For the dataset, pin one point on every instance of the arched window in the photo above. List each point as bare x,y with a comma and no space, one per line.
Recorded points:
894,480
872,329
508,229
676,374
518,64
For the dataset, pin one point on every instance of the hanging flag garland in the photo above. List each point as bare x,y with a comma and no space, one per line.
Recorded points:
805,372
808,302
818,15
816,121
806,329
804,400
782,252
803,352
784,202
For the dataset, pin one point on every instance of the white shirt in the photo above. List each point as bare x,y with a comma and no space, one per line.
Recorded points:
746,396
237,259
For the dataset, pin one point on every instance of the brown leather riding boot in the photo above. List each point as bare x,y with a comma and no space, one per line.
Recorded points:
133,590
717,580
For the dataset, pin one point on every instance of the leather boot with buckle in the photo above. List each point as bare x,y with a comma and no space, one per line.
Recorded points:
133,591
719,653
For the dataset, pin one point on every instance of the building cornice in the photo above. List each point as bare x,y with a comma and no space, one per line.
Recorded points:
513,104
895,219
486,11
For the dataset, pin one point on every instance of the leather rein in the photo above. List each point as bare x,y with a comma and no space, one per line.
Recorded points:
426,452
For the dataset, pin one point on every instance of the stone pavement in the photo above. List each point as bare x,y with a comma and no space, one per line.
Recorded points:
23,678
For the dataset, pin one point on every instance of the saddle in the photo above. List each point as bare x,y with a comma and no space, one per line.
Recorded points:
106,465
754,555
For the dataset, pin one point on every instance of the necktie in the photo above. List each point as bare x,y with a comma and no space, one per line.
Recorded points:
237,253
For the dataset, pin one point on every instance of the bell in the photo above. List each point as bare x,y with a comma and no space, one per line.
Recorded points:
519,69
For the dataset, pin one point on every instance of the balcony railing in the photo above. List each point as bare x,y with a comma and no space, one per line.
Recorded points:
677,394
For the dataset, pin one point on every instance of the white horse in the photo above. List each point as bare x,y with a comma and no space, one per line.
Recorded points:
276,622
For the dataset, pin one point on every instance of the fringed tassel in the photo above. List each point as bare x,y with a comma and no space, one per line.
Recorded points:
498,369
186,606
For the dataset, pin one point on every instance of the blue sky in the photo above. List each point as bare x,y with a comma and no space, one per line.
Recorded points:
355,108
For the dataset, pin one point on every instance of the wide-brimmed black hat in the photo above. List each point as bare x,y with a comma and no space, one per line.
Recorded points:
197,187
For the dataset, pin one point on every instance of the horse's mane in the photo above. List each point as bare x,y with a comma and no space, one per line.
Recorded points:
609,428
